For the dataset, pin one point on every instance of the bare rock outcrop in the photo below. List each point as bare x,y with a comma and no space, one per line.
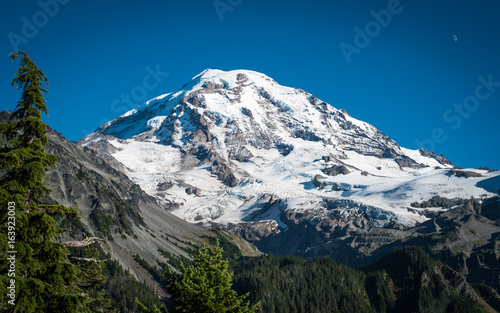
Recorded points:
223,172
336,170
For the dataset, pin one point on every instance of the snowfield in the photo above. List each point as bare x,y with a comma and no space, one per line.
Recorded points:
275,140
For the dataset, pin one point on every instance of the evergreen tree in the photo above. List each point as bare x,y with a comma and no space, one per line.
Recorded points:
205,286
44,279
91,277
144,309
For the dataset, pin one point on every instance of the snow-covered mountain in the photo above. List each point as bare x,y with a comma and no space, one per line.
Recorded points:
236,147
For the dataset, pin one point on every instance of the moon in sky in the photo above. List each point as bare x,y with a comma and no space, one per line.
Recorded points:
455,38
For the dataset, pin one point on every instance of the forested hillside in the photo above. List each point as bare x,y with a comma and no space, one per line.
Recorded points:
407,280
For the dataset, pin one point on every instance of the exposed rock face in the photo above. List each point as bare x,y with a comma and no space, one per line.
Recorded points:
5,115
350,234
491,208
437,201
404,161
345,238
111,205
464,174
441,159
253,231
336,170
224,173
195,191
318,183
163,186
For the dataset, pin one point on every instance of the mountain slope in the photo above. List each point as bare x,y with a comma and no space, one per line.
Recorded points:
114,208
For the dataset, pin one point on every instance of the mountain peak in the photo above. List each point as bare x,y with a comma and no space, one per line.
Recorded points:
229,79
232,75
216,150
217,105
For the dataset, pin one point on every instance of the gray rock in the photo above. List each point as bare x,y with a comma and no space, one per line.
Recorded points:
336,170
284,149
241,78
464,174
441,159
223,173
240,153
318,183
328,158
254,231
164,186
247,112
491,208
192,190
405,161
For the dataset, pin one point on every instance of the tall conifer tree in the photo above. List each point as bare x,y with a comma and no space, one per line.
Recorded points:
205,286
45,280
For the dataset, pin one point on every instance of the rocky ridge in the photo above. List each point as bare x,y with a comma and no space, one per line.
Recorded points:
113,208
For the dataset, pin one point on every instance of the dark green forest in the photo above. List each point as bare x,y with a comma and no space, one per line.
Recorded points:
407,280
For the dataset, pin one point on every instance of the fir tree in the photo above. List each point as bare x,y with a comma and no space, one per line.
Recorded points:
205,286
144,309
45,280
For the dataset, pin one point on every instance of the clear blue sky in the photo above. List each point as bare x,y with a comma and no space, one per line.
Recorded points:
410,78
